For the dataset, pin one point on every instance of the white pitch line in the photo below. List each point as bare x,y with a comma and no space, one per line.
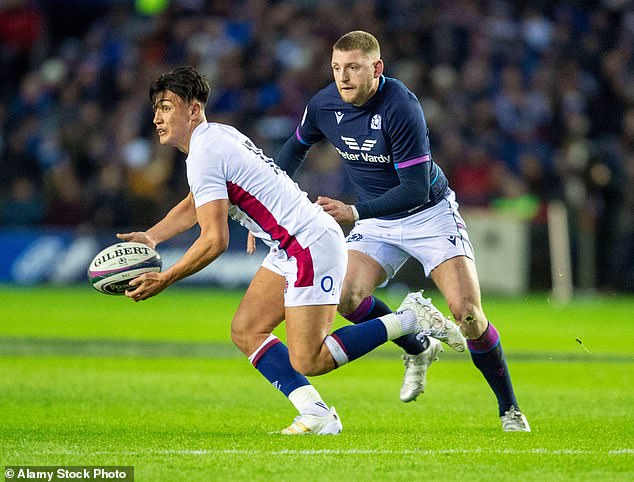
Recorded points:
535,451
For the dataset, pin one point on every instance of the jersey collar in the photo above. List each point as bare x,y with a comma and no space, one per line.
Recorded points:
381,83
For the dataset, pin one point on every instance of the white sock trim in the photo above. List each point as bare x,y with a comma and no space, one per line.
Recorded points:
259,349
336,351
393,325
408,321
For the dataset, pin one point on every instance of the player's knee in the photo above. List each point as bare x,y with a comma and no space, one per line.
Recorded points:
239,338
244,338
469,316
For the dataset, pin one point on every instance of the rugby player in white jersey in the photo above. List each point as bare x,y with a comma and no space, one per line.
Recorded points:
300,279
405,209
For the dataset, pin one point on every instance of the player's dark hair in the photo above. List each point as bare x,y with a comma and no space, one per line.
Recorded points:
185,82
358,39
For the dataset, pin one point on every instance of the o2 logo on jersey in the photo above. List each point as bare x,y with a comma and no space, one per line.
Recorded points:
354,237
327,284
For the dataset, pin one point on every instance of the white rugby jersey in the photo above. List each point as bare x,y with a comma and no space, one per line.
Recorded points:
223,163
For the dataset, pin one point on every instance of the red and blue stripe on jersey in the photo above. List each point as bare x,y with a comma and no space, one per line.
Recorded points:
259,213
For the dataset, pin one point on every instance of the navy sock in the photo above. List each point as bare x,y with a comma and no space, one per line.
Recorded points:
488,357
272,361
371,308
353,341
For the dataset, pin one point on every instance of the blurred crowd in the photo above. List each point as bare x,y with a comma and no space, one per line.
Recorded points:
527,102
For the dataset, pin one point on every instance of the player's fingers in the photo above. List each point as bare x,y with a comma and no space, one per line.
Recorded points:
137,281
136,294
251,243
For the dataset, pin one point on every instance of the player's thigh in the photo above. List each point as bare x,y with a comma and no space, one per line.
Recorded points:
306,329
374,257
363,275
260,310
436,235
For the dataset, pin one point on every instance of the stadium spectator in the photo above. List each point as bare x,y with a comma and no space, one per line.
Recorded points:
23,206
21,32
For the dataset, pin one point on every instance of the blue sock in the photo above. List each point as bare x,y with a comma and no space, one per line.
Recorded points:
353,341
488,357
371,308
272,361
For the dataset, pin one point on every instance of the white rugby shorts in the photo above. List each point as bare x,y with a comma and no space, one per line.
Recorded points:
430,236
315,276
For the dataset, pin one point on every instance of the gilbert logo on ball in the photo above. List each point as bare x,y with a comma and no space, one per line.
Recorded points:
112,269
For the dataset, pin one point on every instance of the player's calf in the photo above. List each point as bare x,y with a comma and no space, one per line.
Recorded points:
311,365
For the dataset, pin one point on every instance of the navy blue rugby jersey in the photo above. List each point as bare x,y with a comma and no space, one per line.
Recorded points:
386,135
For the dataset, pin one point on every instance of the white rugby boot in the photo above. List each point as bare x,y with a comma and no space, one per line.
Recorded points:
416,367
313,425
514,421
432,322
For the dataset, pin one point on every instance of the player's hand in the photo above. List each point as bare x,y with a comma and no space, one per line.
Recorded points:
146,286
138,237
342,212
251,247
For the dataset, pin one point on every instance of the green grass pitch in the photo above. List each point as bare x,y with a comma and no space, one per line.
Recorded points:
88,379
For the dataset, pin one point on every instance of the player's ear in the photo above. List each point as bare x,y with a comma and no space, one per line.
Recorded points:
195,109
378,68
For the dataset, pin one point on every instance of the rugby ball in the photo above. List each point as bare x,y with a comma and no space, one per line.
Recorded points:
112,269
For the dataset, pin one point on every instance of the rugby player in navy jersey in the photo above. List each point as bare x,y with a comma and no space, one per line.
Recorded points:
405,209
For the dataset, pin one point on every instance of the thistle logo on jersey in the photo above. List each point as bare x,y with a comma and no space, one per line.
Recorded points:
354,237
375,123
367,145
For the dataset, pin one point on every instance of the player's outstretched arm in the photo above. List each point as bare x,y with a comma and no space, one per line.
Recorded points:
180,218
211,243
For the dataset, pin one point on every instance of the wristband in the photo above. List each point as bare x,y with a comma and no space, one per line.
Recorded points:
355,213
